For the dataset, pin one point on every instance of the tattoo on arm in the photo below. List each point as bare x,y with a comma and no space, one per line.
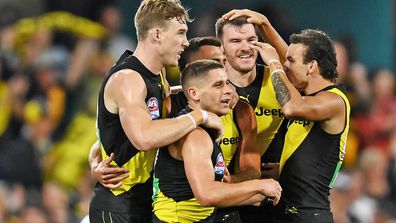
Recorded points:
281,91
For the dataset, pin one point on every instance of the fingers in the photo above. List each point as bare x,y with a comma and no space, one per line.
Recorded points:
113,181
110,159
113,170
112,186
278,192
229,15
220,136
252,16
272,189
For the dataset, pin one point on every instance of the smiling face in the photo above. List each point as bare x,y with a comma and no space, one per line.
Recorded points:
172,41
296,70
214,92
236,43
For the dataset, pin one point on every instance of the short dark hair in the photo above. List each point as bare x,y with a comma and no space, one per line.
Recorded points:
237,22
320,48
195,44
196,70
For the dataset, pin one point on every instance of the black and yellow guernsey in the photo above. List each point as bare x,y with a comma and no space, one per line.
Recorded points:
231,138
173,197
260,94
134,196
310,162
231,135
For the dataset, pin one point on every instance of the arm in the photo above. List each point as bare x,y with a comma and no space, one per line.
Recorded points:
270,34
196,151
324,106
108,176
249,155
129,103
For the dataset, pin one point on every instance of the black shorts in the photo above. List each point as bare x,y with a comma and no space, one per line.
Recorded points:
102,216
227,215
253,214
308,215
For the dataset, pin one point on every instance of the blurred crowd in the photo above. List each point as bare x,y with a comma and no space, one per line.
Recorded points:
51,68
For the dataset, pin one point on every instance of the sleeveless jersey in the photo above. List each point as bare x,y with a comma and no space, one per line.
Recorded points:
260,94
135,192
310,161
231,138
173,197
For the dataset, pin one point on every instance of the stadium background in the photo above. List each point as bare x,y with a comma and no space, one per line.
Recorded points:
53,55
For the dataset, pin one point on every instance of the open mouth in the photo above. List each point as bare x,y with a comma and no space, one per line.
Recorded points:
226,101
245,57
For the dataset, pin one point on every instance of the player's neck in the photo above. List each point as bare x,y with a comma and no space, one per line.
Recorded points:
316,84
241,79
146,53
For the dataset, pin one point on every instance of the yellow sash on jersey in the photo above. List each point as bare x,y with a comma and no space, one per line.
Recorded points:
268,112
231,139
168,210
299,129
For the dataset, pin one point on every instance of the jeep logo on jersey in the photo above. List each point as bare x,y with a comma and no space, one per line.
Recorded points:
152,105
269,112
220,165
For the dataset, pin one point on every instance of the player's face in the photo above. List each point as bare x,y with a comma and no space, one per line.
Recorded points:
215,92
236,43
173,40
296,70
209,52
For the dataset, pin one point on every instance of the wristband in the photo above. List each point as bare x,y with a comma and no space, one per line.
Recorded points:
277,70
204,117
192,119
273,61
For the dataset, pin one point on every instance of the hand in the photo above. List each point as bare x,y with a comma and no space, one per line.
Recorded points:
271,188
267,52
227,178
109,176
252,16
214,122
257,200
270,170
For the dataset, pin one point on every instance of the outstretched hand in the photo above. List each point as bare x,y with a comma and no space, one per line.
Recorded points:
267,52
107,175
252,16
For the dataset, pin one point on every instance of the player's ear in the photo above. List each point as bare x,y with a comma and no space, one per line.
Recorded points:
313,65
193,93
154,34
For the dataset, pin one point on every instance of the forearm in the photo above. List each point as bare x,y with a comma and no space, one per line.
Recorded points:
159,133
226,195
274,39
94,157
284,90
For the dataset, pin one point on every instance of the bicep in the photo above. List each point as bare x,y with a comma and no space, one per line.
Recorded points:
196,152
128,91
320,107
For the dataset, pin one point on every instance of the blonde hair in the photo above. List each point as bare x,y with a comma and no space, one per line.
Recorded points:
152,13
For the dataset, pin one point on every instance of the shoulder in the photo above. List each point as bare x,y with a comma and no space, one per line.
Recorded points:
197,140
124,79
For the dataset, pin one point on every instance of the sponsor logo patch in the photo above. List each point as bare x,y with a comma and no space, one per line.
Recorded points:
220,165
152,105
